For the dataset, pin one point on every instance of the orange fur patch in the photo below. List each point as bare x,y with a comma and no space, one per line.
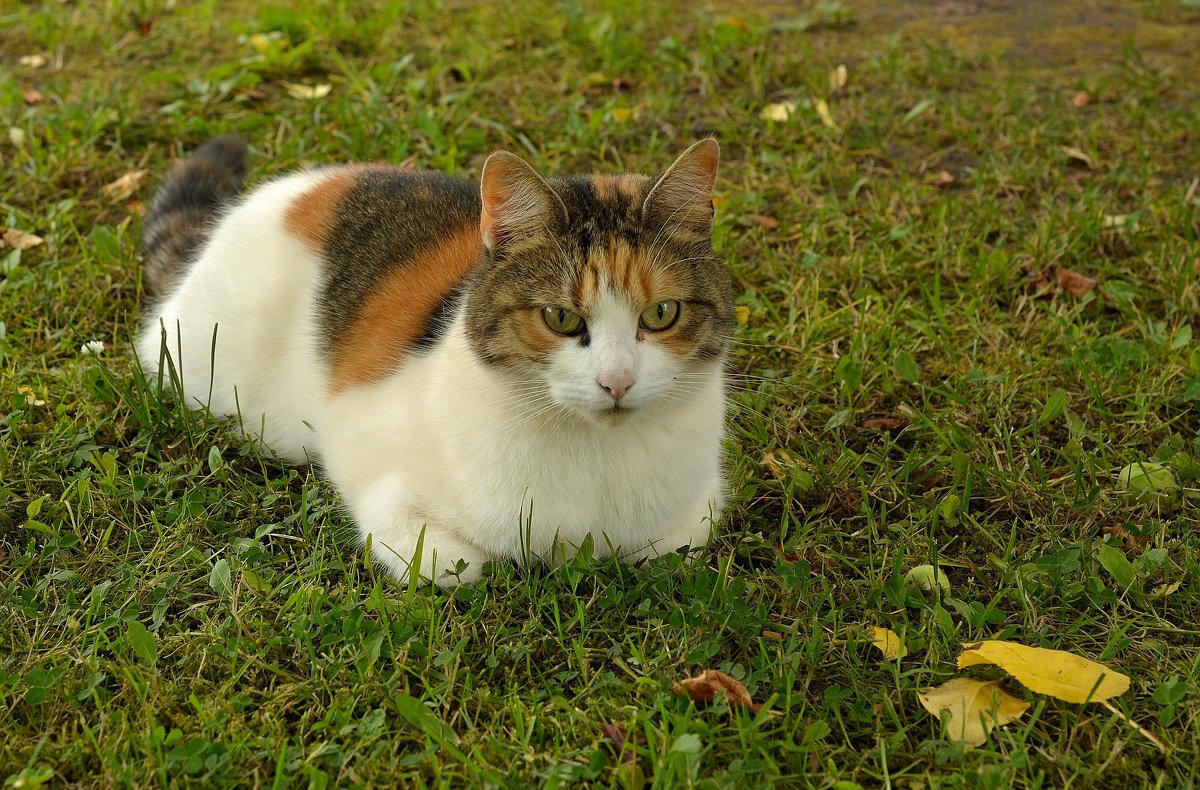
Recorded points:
395,316
611,187
311,215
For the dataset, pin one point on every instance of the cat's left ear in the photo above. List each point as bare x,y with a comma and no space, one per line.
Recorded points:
516,200
682,196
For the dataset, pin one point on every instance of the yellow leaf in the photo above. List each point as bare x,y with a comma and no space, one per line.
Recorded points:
620,114
1057,673
31,396
125,186
888,642
1078,155
838,77
298,91
823,111
1163,590
975,707
34,61
741,314
778,112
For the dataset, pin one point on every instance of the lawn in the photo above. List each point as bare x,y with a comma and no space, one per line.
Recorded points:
966,243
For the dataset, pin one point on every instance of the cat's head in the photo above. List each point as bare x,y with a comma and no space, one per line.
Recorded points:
601,293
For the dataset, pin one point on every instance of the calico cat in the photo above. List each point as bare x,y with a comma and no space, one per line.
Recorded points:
491,372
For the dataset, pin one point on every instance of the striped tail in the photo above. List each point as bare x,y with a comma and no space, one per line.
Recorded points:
185,208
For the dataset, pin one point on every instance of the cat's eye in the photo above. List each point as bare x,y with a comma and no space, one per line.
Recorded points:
659,317
563,321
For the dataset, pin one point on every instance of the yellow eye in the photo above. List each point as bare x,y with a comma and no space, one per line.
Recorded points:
659,317
563,321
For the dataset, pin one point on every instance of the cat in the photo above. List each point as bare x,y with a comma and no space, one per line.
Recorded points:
491,372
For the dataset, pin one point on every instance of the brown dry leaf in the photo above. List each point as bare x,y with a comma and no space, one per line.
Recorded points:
779,463
770,223
888,642
975,707
299,91
942,179
1057,673
19,239
1076,284
886,424
618,739
32,95
708,684
1081,99
123,188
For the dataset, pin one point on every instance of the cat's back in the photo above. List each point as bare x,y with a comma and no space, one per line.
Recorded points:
312,283
394,246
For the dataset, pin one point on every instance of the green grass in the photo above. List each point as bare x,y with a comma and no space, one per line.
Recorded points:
176,609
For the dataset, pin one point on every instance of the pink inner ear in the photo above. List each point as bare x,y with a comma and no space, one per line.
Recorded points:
495,192
706,159
485,225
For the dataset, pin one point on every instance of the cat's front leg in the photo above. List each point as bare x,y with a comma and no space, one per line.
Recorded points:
389,518
693,531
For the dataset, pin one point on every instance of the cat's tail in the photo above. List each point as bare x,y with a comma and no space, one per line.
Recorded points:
185,208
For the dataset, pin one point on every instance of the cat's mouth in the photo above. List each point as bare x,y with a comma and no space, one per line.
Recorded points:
616,413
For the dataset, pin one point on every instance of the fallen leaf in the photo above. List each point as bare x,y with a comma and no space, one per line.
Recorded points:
35,61
618,738
1057,673
145,26
736,21
770,223
30,396
1077,155
885,424
299,91
20,240
780,111
16,136
888,642
974,708
837,78
136,207
942,179
708,684
32,95
1118,222
1074,283
124,187
1081,99
620,114
824,114
741,314
1163,590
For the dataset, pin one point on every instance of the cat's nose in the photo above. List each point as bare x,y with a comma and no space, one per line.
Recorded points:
616,384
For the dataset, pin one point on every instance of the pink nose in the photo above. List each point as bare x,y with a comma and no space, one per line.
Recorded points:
616,384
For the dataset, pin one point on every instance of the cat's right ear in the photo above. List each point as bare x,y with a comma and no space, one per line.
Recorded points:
516,200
